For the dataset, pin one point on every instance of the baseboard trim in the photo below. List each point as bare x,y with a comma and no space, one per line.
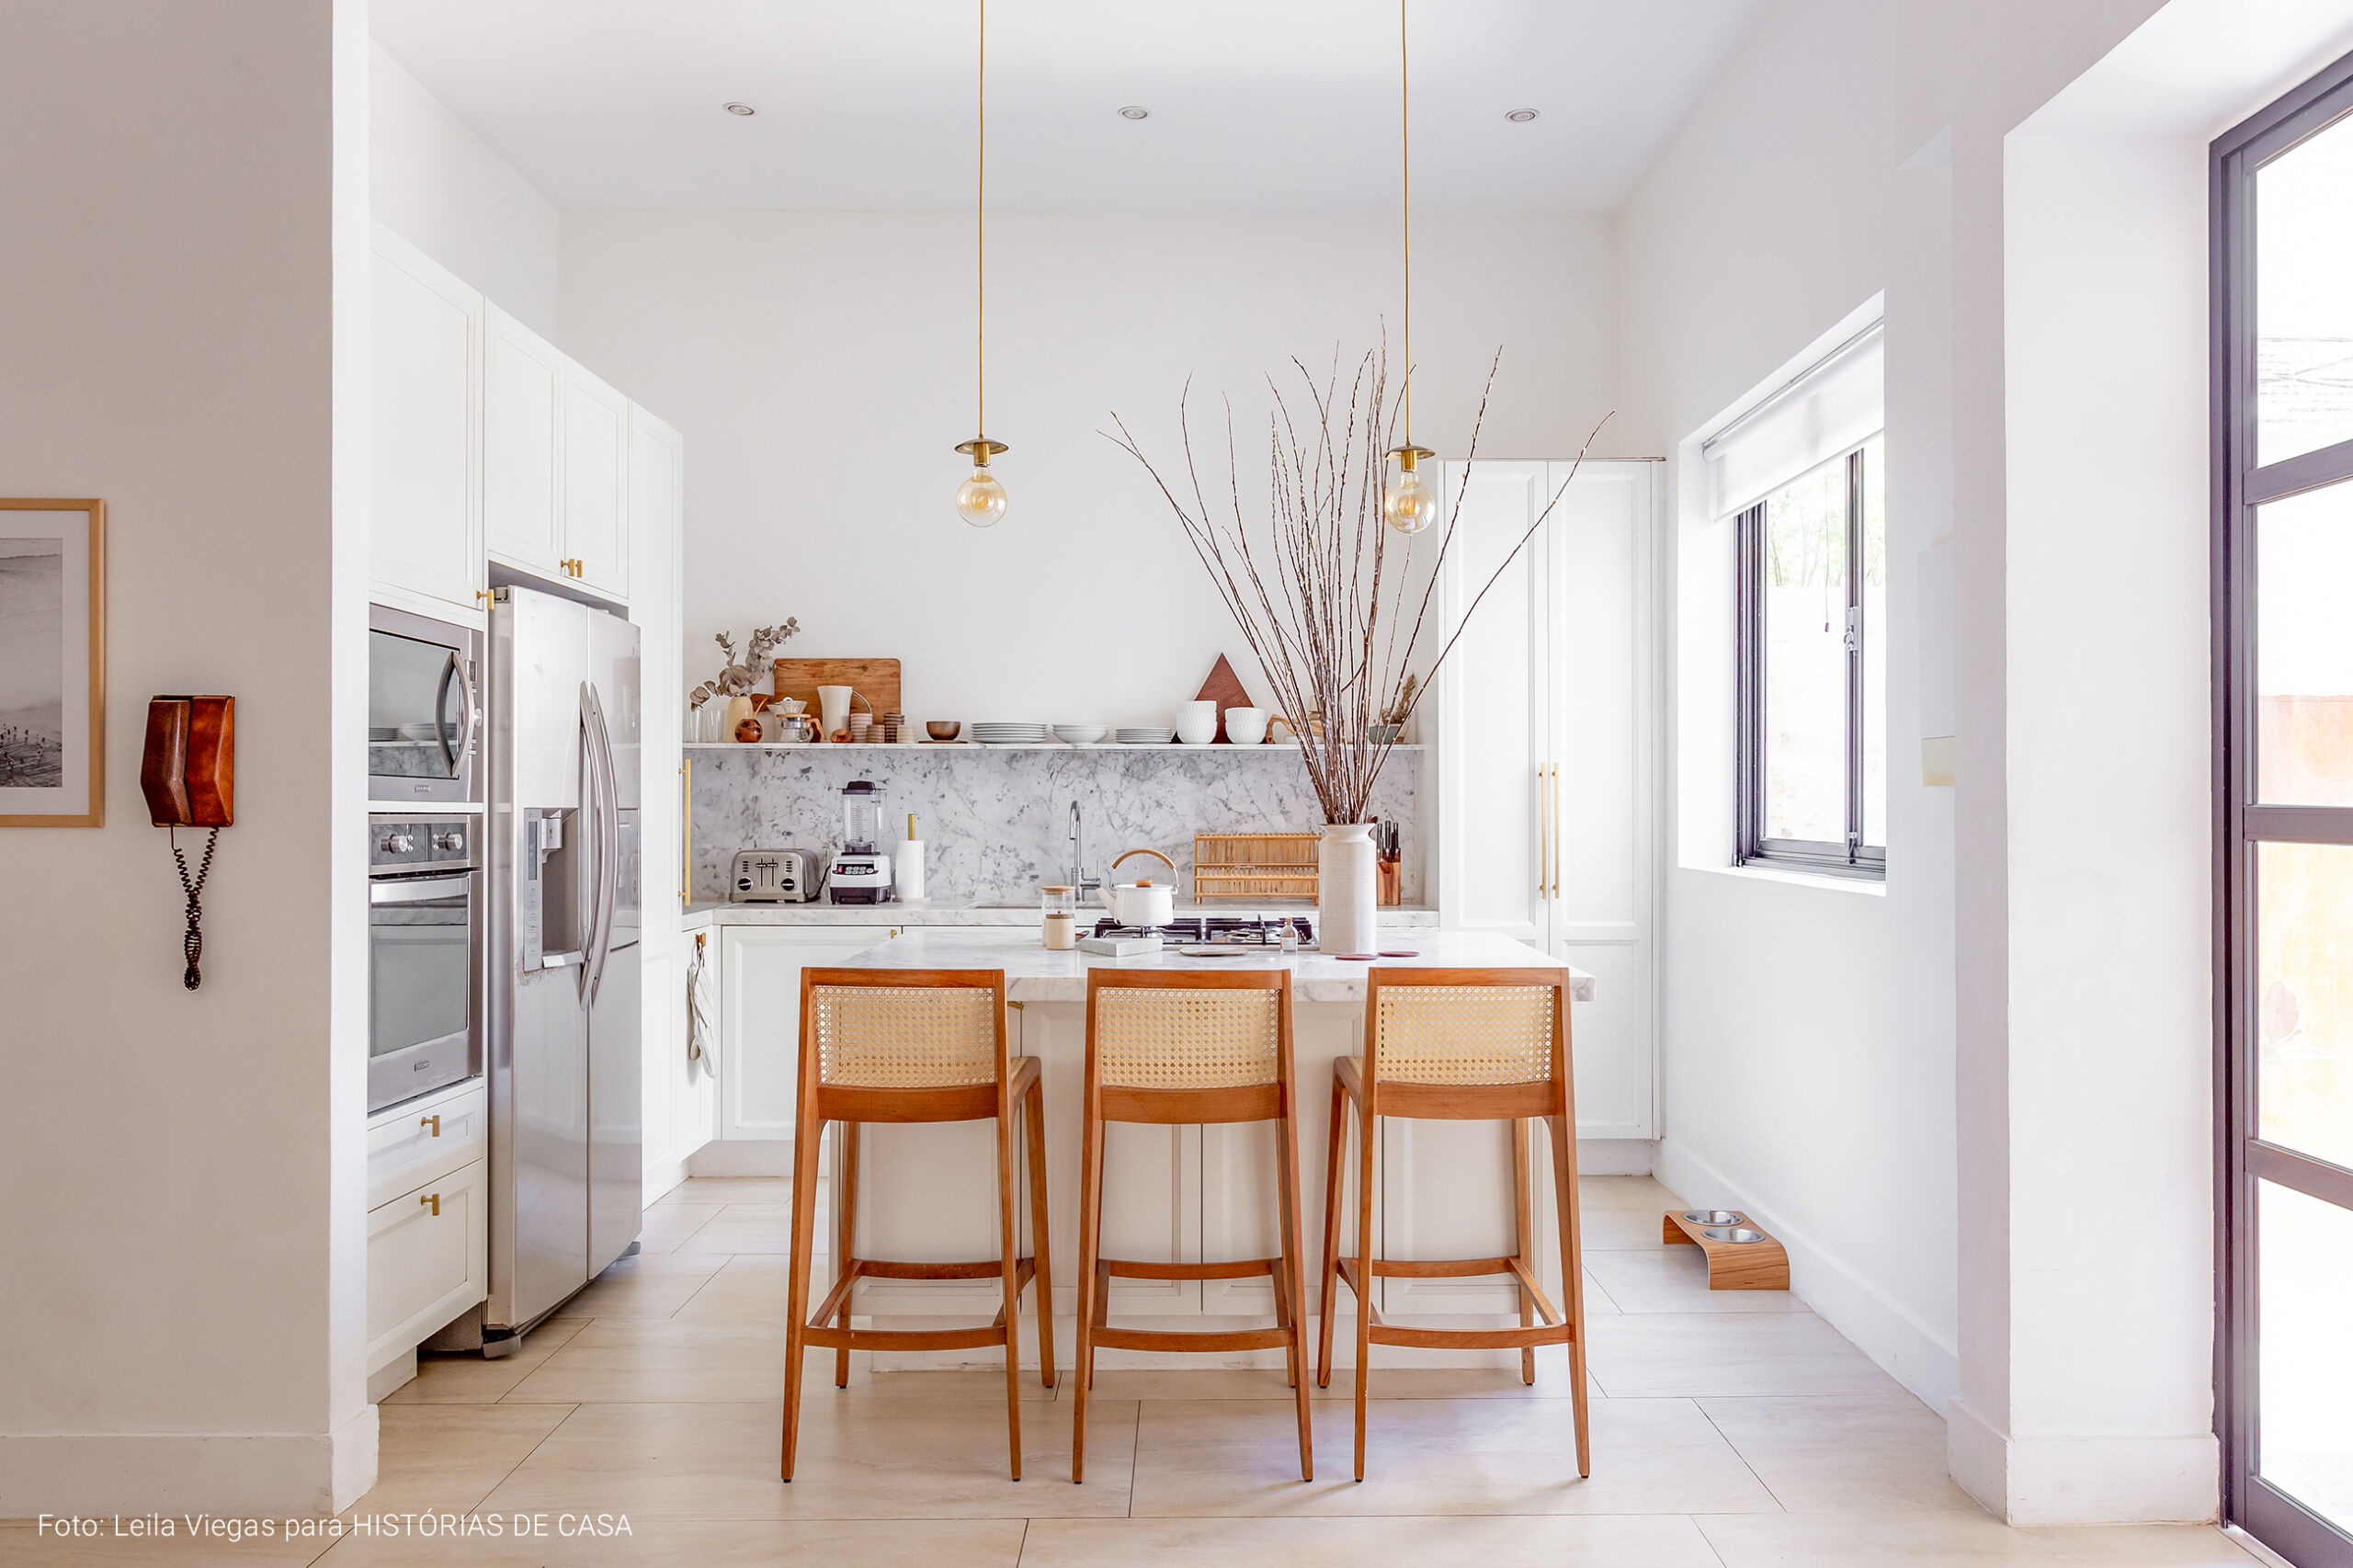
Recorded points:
224,1474
742,1157
1902,1347
1615,1156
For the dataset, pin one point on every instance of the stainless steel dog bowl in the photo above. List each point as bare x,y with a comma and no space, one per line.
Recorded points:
1732,1234
1712,1217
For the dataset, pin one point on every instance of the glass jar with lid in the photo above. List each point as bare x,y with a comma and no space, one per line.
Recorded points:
1060,906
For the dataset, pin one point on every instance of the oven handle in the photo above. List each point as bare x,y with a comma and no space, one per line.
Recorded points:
419,890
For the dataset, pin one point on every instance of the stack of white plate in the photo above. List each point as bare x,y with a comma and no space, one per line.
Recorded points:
1005,734
1144,735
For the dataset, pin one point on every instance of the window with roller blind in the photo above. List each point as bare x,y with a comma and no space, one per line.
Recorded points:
1803,475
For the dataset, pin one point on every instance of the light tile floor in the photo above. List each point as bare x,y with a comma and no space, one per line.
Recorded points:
1730,1430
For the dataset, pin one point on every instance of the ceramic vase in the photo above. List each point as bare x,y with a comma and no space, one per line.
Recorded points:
1348,889
739,713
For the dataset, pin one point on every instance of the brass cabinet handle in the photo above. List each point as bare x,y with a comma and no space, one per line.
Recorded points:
1552,831
686,832
433,1202
1543,833
432,1121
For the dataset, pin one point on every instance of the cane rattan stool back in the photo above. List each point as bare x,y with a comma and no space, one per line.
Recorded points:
1157,1037
1465,1034
905,1037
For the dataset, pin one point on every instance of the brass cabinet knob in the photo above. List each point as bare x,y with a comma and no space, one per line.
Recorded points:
433,1202
432,1121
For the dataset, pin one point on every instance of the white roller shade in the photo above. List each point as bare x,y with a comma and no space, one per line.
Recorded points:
1836,407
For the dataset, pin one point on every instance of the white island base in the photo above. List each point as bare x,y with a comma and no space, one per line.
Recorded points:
1191,1194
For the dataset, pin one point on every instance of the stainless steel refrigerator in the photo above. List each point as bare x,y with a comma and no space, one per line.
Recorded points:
566,1166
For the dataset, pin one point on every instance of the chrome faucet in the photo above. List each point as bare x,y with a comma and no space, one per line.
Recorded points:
1081,883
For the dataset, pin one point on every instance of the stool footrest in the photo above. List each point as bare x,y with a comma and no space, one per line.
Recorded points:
904,1338
854,1270
1244,1269
1205,1339
1471,1338
1440,1269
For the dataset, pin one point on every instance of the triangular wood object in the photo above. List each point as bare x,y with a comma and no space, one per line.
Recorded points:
1224,688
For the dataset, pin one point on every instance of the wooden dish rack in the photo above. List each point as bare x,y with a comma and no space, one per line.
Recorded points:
1254,865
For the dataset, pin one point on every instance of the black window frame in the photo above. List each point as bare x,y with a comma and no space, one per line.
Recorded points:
1852,857
2243,821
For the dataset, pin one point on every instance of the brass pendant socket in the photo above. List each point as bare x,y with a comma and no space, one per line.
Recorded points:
980,449
1408,456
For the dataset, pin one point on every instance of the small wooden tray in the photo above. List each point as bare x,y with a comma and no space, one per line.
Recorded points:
1254,865
1760,1265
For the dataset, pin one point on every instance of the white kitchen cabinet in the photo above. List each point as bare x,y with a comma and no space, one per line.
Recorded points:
1544,758
428,1259
429,1136
522,453
760,982
424,430
596,497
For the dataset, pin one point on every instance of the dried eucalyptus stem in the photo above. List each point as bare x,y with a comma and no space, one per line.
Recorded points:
1311,582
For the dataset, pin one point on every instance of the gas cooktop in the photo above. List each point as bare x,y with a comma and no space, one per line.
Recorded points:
1240,930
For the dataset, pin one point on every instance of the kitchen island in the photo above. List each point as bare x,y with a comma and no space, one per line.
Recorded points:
1185,1194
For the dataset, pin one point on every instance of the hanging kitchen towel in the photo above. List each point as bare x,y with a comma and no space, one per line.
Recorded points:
702,1042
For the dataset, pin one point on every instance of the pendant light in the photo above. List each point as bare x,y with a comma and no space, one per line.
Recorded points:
980,500
1410,505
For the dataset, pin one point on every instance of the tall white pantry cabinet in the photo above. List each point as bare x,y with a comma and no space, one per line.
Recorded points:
1545,769
491,447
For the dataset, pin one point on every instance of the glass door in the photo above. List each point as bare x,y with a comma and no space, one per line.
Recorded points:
2284,629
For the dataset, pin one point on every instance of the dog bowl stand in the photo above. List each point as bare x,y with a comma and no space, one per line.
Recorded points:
1760,1265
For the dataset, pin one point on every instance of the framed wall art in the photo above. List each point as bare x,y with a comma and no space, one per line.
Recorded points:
52,664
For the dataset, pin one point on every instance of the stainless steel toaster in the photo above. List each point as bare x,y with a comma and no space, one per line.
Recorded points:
773,876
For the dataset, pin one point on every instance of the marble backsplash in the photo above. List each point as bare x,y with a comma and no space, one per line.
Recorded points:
996,822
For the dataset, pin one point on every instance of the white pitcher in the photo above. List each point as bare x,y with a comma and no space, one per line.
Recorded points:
833,708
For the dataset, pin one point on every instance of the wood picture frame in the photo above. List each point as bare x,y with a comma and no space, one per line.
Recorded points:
52,663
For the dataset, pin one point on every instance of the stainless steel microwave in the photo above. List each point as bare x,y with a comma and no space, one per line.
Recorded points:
424,729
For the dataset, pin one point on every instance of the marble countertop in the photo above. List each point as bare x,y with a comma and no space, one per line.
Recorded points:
1033,974
703,914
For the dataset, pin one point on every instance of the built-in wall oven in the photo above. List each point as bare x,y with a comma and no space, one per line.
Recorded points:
426,900
423,738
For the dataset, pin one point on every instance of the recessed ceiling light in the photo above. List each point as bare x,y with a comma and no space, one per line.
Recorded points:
1520,116
739,109
1135,111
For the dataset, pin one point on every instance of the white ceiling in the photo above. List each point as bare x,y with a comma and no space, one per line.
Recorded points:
1268,105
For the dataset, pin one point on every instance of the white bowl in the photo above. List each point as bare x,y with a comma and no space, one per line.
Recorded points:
1196,729
1246,726
1080,734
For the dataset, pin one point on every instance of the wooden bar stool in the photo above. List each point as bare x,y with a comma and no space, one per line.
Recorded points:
1185,1048
1465,1045
910,1046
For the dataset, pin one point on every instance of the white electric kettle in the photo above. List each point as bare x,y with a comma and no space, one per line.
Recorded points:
1142,903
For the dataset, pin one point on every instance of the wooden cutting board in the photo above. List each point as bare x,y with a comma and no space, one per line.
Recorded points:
874,680
1224,688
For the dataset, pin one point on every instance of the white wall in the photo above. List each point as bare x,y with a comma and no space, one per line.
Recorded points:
182,1309
821,368
440,186
2035,978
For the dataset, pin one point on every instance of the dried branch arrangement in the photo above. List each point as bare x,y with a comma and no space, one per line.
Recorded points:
1317,586
735,679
